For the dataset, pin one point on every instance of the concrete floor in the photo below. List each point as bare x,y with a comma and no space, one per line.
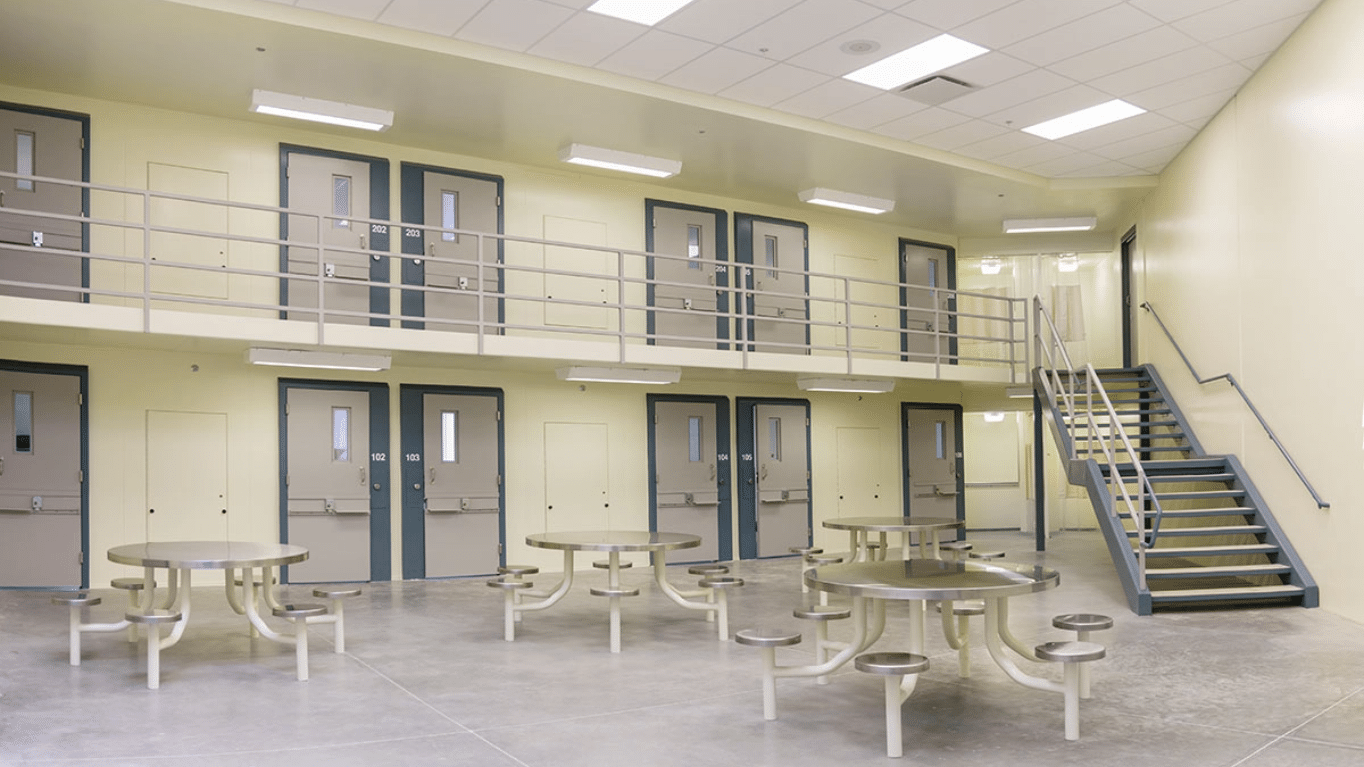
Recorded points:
427,680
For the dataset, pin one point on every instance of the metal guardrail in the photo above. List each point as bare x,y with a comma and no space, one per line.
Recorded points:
1321,504
520,271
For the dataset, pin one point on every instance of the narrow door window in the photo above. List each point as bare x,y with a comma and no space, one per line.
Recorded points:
940,439
693,246
770,254
449,215
694,438
449,436
341,201
341,434
23,159
23,422
774,438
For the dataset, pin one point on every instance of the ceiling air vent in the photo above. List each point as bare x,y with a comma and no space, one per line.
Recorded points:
935,90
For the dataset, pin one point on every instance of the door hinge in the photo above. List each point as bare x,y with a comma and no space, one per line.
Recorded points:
807,476
498,202
80,476
286,407
807,422
80,557
82,142
80,399
499,550
286,480
499,415
499,480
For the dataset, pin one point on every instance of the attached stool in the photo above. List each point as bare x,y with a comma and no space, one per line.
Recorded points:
720,586
517,573
893,666
875,551
805,552
134,588
821,615
605,564
768,640
1074,655
151,621
1082,624
511,588
955,550
336,615
299,614
987,555
705,571
76,602
960,638
815,560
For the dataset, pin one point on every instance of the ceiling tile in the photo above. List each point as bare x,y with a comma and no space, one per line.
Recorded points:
802,27
961,135
1094,31
1122,130
513,24
1062,102
1201,84
1027,86
832,96
774,84
893,33
1038,153
1103,170
1004,143
1147,46
358,9
1155,159
920,123
717,21
441,17
580,4
1255,62
1240,16
587,38
992,68
950,14
1071,162
1175,135
888,5
653,55
716,70
1258,41
1173,10
1026,18
876,111
1163,70
1202,107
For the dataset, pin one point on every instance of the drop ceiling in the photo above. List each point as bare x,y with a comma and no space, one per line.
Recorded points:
749,94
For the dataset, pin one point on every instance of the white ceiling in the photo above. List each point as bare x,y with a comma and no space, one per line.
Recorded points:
748,93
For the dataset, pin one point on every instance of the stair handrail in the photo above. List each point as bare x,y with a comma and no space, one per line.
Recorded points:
1321,504
1047,352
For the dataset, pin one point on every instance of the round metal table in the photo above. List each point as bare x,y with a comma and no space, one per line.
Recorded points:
928,528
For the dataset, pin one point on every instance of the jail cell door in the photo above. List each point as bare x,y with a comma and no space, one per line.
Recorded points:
783,478
684,292
328,483
687,473
333,192
779,305
40,480
186,476
40,145
463,500
928,321
451,265
931,462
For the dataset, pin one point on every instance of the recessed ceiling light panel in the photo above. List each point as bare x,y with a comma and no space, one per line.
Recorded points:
320,110
627,162
847,200
647,12
851,385
1069,224
589,373
1085,119
922,60
326,360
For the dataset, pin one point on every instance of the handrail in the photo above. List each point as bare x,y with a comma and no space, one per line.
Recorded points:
1244,397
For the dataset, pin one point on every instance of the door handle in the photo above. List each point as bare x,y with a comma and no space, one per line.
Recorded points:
712,471
432,480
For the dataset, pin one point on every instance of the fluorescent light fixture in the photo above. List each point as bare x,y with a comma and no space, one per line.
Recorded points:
301,358
611,159
648,12
859,385
1068,262
923,59
991,265
1083,120
1019,392
620,375
994,416
847,200
318,110
1068,224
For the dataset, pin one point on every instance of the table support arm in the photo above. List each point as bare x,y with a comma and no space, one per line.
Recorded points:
1008,636
992,643
249,602
548,598
859,641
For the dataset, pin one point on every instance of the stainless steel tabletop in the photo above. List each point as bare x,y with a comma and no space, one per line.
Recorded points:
932,579
893,524
207,555
614,540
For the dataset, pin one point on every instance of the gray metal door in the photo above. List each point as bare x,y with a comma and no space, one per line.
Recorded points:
686,461
927,318
338,191
780,297
931,461
459,202
685,289
463,488
40,480
783,478
40,145
328,483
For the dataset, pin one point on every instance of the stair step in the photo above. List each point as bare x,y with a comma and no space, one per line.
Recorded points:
1195,495
1222,511
1174,464
1122,412
1195,531
1126,424
1224,477
1217,571
1227,595
1213,551
1146,449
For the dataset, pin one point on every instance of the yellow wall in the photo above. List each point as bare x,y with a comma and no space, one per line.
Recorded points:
1249,253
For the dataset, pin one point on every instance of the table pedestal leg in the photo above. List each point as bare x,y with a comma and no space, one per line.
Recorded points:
614,563
894,742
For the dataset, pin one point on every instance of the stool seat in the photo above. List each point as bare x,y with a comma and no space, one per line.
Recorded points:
822,612
968,607
336,592
129,584
805,550
824,559
76,600
987,555
605,564
160,616
708,570
1070,652
766,637
498,583
891,663
1082,622
299,610
605,592
518,570
721,582
955,546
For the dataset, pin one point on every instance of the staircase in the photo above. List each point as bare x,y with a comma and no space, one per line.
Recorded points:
1204,537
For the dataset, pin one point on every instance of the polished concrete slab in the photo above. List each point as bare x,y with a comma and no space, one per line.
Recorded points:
428,680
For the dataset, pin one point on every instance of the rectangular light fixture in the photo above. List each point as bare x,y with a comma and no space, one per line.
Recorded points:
303,358
991,265
994,416
859,385
1064,224
1083,120
1068,262
923,59
1018,392
647,12
611,159
656,376
847,200
321,111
